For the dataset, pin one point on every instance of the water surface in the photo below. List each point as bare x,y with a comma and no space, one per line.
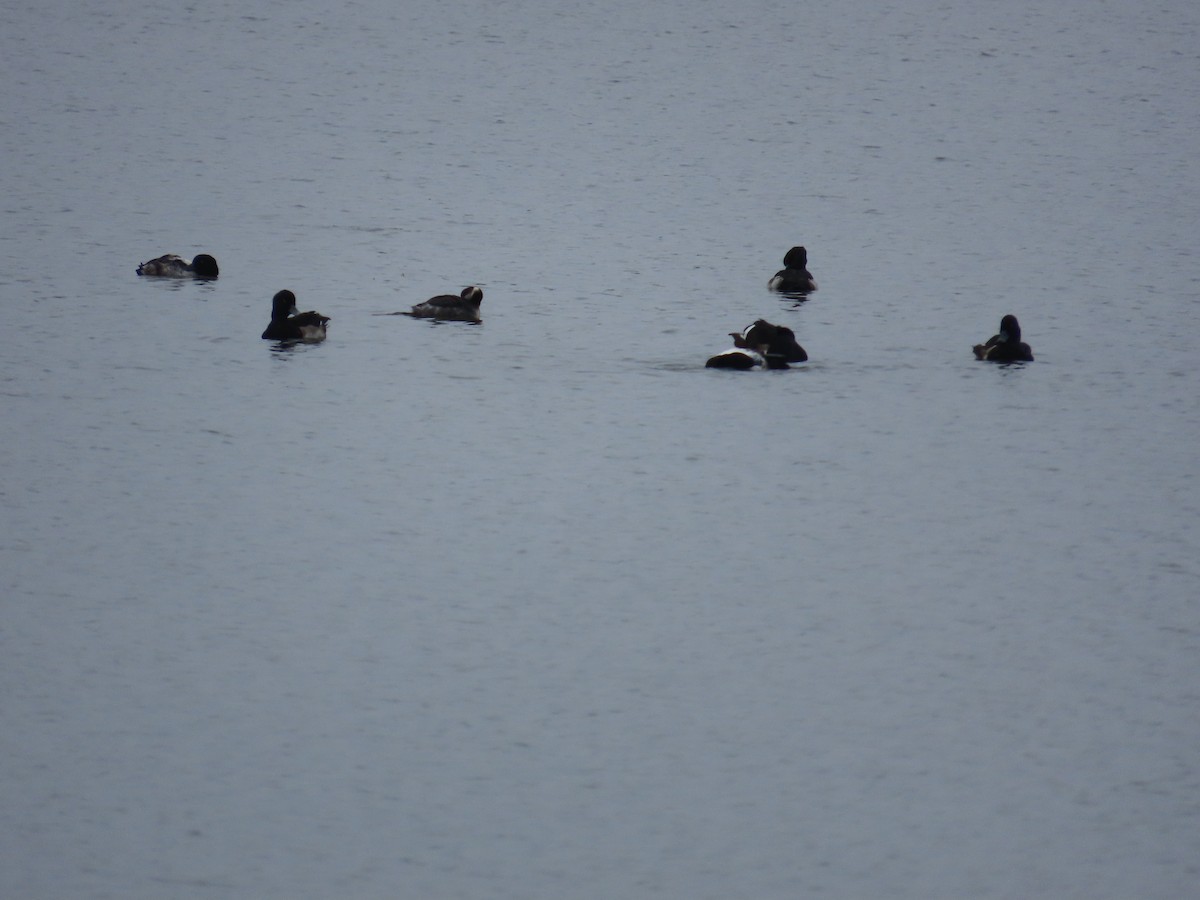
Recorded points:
541,607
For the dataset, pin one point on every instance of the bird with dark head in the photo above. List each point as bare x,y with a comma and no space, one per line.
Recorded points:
463,308
171,266
760,345
289,325
794,277
1006,346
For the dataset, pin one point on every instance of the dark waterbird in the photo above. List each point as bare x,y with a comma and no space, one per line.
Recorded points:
794,278
760,345
1006,346
289,325
463,308
171,266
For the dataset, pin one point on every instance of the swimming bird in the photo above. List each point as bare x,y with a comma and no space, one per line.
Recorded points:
760,344
172,266
289,325
794,278
1006,346
463,308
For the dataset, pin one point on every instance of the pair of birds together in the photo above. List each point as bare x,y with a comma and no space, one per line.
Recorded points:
761,344
289,324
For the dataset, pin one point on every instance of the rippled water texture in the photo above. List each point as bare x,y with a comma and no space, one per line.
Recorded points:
541,607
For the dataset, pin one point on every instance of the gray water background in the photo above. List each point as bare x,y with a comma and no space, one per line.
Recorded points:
541,607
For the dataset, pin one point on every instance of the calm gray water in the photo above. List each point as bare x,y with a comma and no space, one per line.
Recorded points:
542,607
